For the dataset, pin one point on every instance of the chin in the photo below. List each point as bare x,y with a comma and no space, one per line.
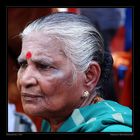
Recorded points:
31,110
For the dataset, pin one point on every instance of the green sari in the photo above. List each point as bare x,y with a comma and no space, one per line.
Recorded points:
104,116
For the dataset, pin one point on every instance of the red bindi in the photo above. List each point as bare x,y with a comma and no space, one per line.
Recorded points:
28,55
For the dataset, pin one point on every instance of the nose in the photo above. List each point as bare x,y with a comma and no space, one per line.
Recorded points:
28,78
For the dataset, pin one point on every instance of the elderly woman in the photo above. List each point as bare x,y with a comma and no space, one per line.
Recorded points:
63,66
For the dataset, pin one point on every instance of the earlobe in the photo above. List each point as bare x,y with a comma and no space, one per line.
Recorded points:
92,75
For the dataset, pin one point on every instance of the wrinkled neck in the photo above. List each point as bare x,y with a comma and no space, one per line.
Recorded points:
56,123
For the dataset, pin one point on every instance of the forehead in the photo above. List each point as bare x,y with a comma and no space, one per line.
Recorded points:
39,44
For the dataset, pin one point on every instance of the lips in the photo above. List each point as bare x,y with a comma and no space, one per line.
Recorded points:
29,95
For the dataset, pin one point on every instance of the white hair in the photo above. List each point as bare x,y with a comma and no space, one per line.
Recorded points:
80,37
82,42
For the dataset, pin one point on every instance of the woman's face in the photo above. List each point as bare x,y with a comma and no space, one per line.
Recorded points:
45,78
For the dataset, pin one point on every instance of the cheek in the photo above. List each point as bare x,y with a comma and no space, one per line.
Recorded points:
58,82
49,83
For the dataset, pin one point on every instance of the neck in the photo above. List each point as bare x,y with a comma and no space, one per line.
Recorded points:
55,123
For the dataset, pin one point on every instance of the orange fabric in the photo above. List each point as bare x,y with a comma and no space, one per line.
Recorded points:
121,58
118,42
73,10
124,93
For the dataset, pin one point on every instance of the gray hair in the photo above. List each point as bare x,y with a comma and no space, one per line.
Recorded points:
83,43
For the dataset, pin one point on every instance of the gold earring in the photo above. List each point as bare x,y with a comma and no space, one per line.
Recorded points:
85,94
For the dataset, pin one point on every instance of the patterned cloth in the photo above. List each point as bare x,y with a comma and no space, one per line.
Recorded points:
104,116
19,122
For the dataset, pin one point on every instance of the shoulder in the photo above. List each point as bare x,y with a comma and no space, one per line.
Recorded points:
117,128
115,106
107,116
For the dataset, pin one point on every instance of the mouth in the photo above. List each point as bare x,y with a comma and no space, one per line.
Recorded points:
30,97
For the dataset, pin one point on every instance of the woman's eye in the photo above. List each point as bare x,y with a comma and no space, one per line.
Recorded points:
23,64
44,67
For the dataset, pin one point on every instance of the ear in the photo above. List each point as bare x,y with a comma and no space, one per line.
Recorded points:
92,75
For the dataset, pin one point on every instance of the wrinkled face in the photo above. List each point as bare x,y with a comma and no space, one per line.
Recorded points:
45,78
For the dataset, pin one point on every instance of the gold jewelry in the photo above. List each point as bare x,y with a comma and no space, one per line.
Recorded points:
97,99
85,94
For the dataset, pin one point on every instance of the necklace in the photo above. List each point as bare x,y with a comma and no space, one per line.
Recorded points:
97,99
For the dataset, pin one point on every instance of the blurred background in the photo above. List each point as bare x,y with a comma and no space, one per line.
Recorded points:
115,25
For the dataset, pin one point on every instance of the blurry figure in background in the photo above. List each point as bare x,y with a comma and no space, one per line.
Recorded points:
19,122
123,63
107,21
123,70
128,29
126,96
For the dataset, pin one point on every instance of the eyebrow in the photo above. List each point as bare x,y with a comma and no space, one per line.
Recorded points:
41,60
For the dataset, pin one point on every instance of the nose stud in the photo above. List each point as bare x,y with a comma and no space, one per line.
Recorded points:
28,55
